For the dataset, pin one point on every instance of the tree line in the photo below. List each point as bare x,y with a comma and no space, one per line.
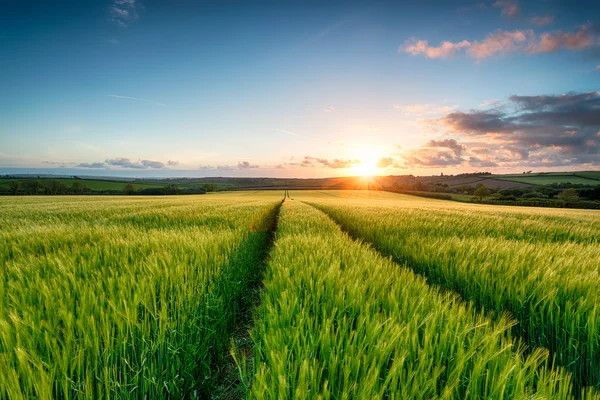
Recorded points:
54,187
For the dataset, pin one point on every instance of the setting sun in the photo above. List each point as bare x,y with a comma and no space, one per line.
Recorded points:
365,168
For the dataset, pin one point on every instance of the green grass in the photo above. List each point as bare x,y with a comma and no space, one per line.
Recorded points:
124,297
339,321
539,265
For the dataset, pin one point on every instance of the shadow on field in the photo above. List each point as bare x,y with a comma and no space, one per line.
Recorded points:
231,349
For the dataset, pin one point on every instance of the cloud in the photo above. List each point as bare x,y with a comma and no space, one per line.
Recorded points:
56,162
488,103
451,144
92,165
480,150
286,132
172,163
598,68
385,162
436,153
336,163
500,42
331,28
329,110
542,21
479,163
122,12
505,42
509,8
427,157
583,39
152,164
246,165
114,41
137,99
425,109
542,130
445,50
127,163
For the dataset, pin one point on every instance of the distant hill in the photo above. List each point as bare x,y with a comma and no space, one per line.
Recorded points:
114,185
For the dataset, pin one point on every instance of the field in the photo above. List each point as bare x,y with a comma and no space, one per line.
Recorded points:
363,294
590,178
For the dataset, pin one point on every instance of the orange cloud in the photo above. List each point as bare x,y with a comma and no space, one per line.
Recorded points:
504,42
445,50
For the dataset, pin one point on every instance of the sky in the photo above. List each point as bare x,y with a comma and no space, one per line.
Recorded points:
148,88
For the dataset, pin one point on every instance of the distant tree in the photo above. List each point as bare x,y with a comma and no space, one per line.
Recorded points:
55,187
568,195
77,187
14,186
129,189
481,192
33,186
210,187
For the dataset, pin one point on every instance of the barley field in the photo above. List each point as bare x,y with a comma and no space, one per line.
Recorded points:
361,295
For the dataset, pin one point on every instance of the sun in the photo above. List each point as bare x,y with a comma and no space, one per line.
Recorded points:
365,168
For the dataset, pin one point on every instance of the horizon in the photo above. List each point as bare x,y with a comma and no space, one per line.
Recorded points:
142,89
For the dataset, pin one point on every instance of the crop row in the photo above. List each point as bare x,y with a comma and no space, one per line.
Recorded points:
338,321
124,299
541,267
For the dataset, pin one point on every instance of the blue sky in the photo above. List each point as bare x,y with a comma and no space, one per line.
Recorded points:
183,88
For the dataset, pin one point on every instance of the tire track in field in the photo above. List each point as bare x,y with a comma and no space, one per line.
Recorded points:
233,380
579,390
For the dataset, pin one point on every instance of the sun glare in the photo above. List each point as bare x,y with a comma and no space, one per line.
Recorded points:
365,168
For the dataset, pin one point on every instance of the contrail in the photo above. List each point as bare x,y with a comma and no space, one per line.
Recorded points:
138,99
284,131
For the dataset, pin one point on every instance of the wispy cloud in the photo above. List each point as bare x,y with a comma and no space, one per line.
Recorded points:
122,12
425,109
489,103
331,28
509,8
329,109
336,163
114,42
138,99
286,132
542,21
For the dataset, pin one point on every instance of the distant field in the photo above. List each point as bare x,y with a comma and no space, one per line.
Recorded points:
93,184
591,178
329,294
